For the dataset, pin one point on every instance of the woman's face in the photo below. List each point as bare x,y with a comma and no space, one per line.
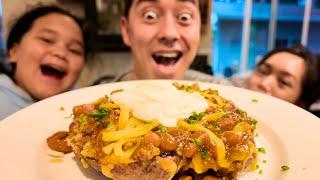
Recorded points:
49,57
281,75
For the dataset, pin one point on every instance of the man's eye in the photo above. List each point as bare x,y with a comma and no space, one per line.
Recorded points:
150,15
185,17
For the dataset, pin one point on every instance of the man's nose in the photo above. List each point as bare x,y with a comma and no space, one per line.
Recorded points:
169,32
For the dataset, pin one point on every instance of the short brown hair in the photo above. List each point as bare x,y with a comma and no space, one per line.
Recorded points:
128,4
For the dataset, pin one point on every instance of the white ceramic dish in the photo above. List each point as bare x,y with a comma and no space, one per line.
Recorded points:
289,134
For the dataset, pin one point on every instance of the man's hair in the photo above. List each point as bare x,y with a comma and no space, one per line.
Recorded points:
127,7
310,79
128,4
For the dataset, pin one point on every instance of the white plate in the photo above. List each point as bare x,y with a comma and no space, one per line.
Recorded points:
289,134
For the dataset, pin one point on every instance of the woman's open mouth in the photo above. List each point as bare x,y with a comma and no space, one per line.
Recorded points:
52,71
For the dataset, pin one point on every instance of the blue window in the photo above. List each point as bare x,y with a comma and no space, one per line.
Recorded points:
245,30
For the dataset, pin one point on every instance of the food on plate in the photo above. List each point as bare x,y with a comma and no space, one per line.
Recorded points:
159,131
58,142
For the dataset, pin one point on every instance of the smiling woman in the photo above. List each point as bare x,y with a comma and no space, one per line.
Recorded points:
287,73
46,50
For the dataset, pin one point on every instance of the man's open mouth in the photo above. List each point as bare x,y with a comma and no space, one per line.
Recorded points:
167,59
52,71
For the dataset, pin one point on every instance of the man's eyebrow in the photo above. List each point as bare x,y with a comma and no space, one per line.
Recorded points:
192,1
140,1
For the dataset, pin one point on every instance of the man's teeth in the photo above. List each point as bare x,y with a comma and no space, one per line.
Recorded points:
167,55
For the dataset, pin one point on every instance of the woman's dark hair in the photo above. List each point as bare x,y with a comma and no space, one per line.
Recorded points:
310,79
24,23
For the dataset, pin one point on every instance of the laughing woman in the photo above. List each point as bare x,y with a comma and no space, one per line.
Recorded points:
46,50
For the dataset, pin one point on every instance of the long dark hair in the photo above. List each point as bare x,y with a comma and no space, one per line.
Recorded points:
310,79
24,23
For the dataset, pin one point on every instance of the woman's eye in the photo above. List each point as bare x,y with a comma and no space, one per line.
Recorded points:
150,15
77,51
185,17
46,40
263,71
283,83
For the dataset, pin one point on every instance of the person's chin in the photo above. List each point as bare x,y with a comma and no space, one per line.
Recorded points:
167,71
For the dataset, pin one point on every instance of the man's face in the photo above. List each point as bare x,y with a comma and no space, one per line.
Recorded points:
164,36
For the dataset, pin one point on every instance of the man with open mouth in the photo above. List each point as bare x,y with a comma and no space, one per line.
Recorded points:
164,37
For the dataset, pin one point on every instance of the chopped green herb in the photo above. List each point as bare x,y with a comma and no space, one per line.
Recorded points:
254,100
204,154
103,112
198,142
257,166
254,122
285,168
83,120
191,140
238,111
70,116
103,109
256,135
202,114
260,171
98,116
264,161
105,124
226,116
262,150
61,108
163,129
192,119
148,122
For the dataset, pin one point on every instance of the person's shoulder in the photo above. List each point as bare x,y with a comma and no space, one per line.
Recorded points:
12,95
194,75
7,105
125,76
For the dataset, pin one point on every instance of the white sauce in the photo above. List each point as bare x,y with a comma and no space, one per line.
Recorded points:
163,102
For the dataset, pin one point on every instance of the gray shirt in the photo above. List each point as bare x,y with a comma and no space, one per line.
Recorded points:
191,75
12,97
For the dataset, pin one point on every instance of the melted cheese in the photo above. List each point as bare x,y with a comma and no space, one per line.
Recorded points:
163,102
